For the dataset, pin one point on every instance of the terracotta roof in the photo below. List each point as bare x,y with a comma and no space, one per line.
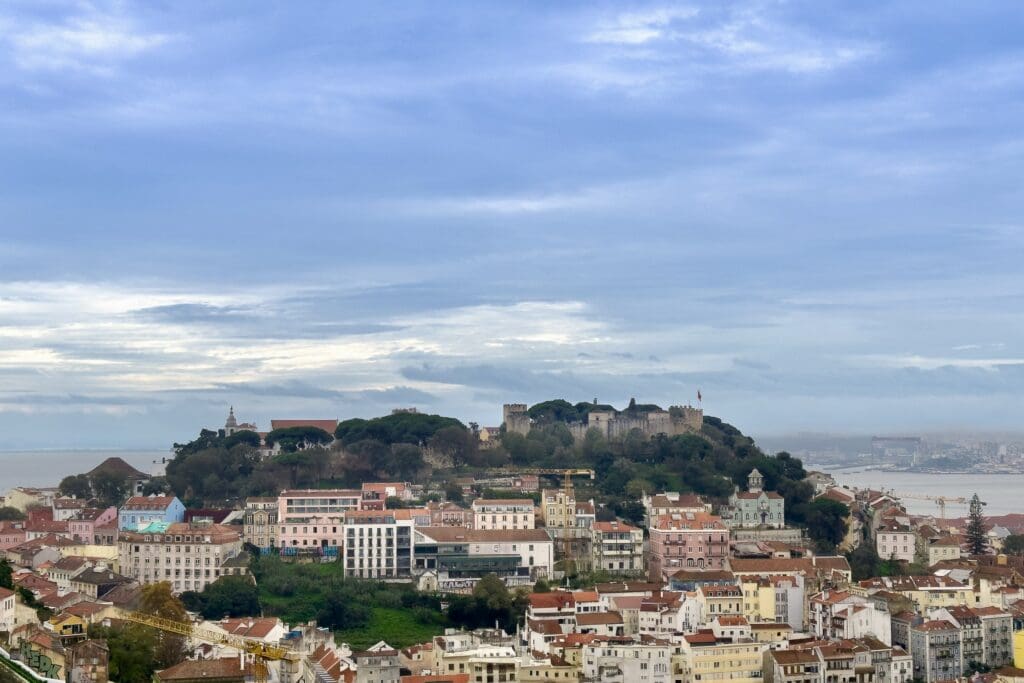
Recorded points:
4,593
627,587
707,575
227,669
586,596
685,500
148,503
785,657
804,565
747,495
553,600
249,627
935,625
691,521
733,620
119,467
598,618
47,526
327,425
548,627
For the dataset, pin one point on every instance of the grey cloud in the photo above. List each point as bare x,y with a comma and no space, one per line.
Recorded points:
300,389
193,313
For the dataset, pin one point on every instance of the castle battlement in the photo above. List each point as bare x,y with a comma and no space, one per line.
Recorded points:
675,421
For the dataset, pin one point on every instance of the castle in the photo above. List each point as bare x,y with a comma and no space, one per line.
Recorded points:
672,422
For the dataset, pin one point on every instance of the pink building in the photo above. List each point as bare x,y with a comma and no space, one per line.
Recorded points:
449,514
11,534
695,540
313,518
93,525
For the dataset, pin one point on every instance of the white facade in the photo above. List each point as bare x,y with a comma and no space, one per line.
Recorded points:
503,514
627,662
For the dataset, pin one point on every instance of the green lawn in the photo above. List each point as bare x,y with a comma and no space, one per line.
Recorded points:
397,627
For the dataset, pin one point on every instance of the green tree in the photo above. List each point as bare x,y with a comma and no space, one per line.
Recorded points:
292,439
456,443
76,486
343,610
541,586
158,600
1014,544
453,492
228,596
11,514
826,522
977,542
6,575
110,488
132,649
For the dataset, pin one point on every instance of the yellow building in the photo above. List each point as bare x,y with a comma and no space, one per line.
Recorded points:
1018,649
758,599
703,658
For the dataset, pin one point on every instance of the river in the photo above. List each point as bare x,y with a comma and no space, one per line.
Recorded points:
1003,493
47,468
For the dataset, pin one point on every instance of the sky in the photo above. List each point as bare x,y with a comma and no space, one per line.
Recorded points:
808,211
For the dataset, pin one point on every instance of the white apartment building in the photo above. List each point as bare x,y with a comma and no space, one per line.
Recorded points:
503,513
633,662
378,543
189,556
895,541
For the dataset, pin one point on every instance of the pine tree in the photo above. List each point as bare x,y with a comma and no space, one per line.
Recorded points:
976,528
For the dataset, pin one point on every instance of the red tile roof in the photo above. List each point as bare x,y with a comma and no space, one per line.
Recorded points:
327,425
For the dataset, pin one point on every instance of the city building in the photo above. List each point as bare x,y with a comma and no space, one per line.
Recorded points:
188,556
755,508
311,520
688,541
378,664
503,513
7,610
937,650
139,511
378,543
518,556
260,523
671,503
625,660
704,657
617,547
895,541
94,526
837,615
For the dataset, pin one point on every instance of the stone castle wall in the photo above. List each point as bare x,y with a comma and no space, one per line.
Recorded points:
675,421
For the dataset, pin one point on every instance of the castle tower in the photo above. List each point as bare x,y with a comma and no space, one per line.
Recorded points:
515,418
755,482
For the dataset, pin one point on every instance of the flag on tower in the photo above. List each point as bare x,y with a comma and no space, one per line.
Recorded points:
699,399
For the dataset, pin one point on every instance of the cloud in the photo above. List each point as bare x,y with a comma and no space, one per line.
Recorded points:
637,28
92,41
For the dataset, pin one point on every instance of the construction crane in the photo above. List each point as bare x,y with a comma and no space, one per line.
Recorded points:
568,499
941,501
261,652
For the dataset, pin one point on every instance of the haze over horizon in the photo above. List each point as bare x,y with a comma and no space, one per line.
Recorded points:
324,211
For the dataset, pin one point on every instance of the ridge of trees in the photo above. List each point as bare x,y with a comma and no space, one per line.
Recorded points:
411,428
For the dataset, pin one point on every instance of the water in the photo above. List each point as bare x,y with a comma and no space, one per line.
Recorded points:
1004,493
47,468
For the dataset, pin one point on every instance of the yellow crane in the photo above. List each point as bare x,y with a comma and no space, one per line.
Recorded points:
260,652
941,501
